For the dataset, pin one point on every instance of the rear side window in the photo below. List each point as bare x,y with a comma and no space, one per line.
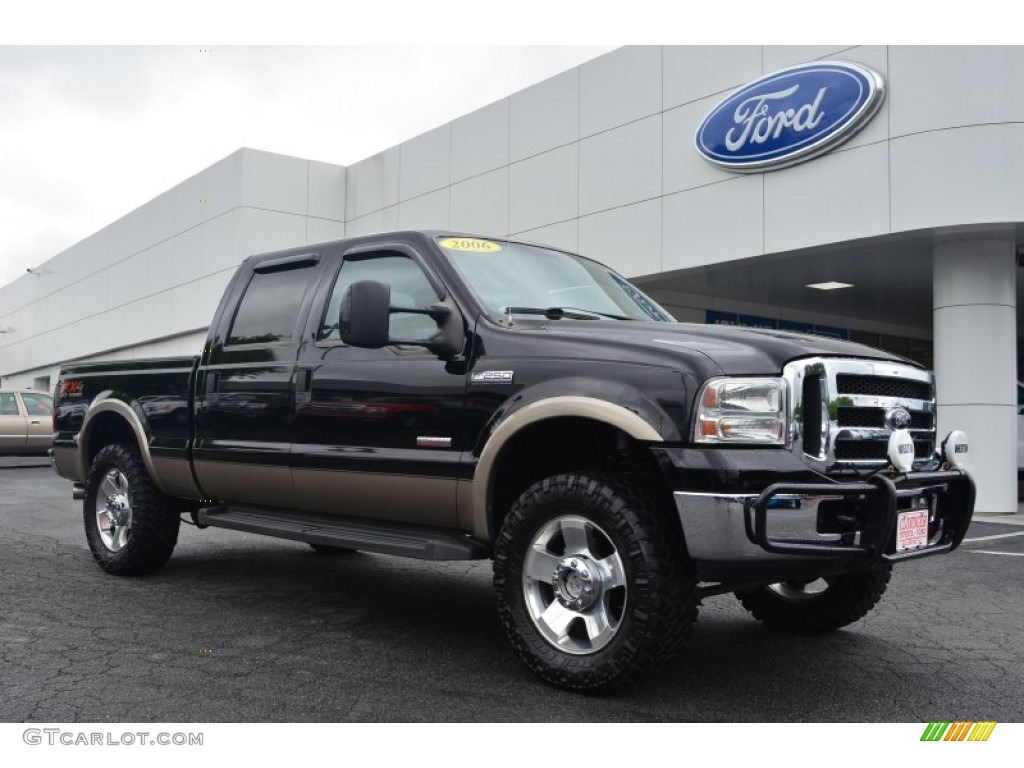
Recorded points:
37,405
270,307
8,405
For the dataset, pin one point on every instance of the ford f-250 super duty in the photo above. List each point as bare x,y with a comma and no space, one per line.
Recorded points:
456,397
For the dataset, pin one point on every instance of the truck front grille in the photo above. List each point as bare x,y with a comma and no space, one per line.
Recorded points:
841,408
874,418
883,386
875,450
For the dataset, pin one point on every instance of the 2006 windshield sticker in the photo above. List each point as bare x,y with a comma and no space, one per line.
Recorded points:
470,244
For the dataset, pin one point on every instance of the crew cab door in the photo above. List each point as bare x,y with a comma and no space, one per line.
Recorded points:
244,386
378,432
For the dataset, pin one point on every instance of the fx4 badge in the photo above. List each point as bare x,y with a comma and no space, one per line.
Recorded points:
481,377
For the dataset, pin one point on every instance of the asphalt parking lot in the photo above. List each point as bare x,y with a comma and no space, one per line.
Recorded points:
246,628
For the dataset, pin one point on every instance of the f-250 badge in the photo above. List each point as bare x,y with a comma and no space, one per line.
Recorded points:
481,377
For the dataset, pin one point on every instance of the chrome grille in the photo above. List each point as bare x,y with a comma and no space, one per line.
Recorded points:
839,409
875,450
875,418
882,386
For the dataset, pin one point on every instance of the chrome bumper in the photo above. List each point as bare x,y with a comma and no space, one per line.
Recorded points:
827,520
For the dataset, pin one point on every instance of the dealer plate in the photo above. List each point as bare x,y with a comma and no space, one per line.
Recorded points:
912,530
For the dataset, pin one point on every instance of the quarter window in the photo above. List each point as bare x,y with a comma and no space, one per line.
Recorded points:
409,288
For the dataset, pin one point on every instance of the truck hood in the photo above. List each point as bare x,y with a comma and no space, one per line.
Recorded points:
737,351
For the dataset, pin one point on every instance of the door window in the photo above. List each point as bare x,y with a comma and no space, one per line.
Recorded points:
8,405
270,307
37,405
409,288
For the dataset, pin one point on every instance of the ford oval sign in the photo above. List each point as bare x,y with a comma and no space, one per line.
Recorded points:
790,116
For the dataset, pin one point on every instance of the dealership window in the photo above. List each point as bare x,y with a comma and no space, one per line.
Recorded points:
918,350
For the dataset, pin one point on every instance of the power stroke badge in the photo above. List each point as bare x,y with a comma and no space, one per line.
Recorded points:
790,116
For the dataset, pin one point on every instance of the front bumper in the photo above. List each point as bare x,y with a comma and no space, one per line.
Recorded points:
794,530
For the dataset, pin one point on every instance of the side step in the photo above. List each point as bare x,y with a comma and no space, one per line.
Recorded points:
419,541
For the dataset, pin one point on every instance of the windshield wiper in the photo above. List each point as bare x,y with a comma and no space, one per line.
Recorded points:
557,313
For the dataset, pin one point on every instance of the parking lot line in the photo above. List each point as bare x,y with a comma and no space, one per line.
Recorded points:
993,537
993,552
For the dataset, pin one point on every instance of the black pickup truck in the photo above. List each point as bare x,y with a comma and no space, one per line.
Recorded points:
444,396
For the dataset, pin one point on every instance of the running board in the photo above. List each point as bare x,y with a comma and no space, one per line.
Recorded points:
419,541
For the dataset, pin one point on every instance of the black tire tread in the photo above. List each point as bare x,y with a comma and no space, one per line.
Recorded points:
849,598
155,520
329,550
668,603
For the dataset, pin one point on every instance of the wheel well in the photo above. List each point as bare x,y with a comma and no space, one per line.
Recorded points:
106,429
569,444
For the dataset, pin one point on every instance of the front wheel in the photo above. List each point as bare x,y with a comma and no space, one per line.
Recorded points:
822,605
131,527
591,582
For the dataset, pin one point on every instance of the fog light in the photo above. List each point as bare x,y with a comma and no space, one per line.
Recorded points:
901,450
955,449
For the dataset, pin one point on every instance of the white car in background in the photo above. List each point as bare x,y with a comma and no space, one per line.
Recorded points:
26,422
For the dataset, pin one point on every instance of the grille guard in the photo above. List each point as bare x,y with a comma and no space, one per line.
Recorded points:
879,498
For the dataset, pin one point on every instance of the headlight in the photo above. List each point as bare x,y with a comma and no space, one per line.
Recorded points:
742,411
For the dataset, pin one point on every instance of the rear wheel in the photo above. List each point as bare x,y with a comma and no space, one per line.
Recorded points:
815,607
131,527
591,582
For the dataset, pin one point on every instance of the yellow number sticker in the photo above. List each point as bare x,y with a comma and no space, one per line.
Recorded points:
470,244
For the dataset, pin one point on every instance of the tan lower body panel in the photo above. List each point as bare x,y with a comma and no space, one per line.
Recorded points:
247,483
176,477
399,498
467,520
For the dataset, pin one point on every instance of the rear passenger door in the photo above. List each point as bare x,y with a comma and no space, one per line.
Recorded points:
12,424
245,389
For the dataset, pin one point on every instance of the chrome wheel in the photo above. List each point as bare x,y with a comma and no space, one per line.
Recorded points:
574,581
798,591
114,510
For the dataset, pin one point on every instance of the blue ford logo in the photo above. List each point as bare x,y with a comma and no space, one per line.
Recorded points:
790,116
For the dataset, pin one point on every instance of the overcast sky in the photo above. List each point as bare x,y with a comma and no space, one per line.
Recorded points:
89,133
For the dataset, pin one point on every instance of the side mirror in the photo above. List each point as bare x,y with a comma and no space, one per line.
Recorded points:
450,339
365,313
365,320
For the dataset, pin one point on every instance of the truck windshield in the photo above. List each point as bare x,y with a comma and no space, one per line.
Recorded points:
517,279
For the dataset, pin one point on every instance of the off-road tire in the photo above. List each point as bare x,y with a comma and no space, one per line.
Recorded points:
660,607
848,598
328,550
155,519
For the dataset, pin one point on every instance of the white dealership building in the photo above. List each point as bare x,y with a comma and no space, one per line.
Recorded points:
919,213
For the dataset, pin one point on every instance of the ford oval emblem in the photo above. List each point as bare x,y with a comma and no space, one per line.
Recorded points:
898,418
790,116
